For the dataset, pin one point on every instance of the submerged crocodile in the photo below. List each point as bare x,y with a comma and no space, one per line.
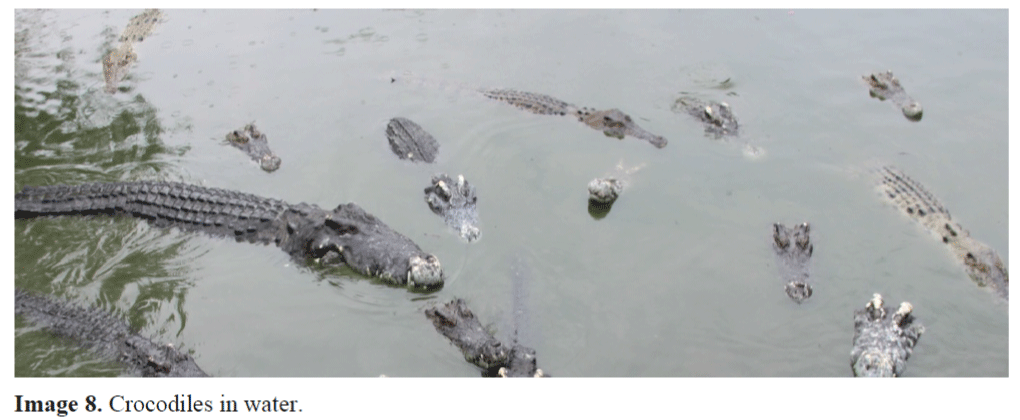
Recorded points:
409,141
254,142
793,253
116,62
345,235
612,122
717,117
458,324
882,344
981,263
883,85
455,201
106,335
604,191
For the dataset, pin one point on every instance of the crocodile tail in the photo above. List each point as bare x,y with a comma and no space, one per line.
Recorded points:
166,204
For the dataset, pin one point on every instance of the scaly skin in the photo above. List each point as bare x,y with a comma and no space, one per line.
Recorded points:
106,335
116,62
884,85
456,201
458,324
981,263
346,235
793,253
717,117
409,141
255,143
882,344
612,122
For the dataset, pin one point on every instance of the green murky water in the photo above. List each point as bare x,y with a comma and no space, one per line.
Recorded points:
677,280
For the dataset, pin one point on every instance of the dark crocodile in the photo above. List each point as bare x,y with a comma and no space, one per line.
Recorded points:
612,122
409,141
456,202
717,117
117,62
254,142
458,324
346,235
981,263
793,253
882,344
106,335
883,85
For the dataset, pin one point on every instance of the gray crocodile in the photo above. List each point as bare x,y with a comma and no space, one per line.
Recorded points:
116,62
604,191
346,235
793,253
612,122
106,335
456,201
883,85
882,344
458,324
981,263
253,142
717,117
411,142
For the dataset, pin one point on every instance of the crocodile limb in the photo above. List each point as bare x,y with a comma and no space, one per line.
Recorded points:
346,235
793,249
106,335
612,122
882,344
981,262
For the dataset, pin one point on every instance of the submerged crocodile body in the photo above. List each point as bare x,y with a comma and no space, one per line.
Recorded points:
883,85
458,324
116,62
717,117
981,263
346,235
882,344
793,253
411,142
456,202
254,143
612,122
106,335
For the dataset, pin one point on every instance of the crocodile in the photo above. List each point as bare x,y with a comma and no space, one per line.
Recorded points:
106,335
458,324
612,122
882,344
793,260
254,142
117,61
346,235
981,263
604,191
717,117
409,141
883,85
456,202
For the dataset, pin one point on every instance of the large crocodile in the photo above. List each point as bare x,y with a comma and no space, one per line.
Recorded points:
117,61
979,261
409,141
458,324
717,117
255,143
793,253
106,335
882,344
883,85
612,122
346,235
456,202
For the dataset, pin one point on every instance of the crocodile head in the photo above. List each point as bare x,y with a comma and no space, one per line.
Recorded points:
982,264
614,123
253,142
455,200
882,344
351,236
